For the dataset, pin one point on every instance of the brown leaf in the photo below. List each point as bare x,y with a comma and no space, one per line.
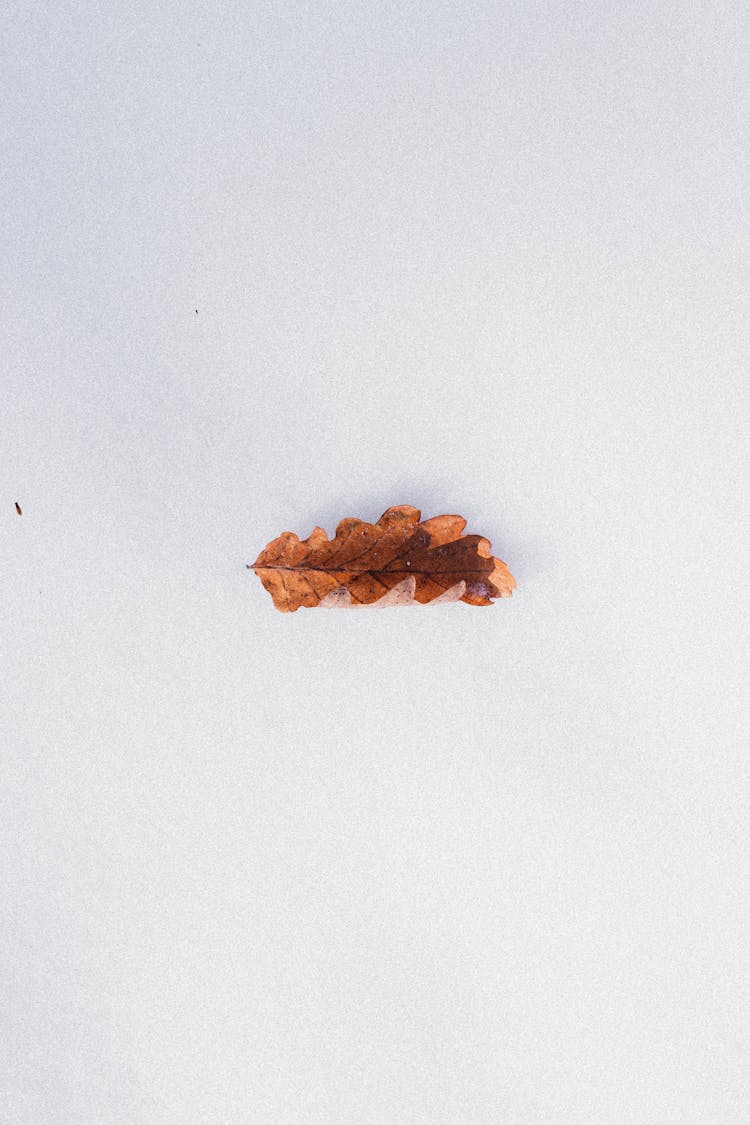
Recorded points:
396,561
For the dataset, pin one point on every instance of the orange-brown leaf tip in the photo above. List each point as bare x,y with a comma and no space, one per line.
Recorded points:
316,538
400,513
502,579
444,529
345,527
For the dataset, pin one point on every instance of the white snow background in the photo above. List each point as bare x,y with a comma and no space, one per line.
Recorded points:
266,266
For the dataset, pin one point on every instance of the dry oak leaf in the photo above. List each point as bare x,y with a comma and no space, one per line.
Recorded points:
396,561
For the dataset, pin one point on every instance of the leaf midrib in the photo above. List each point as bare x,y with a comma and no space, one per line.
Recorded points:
367,570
